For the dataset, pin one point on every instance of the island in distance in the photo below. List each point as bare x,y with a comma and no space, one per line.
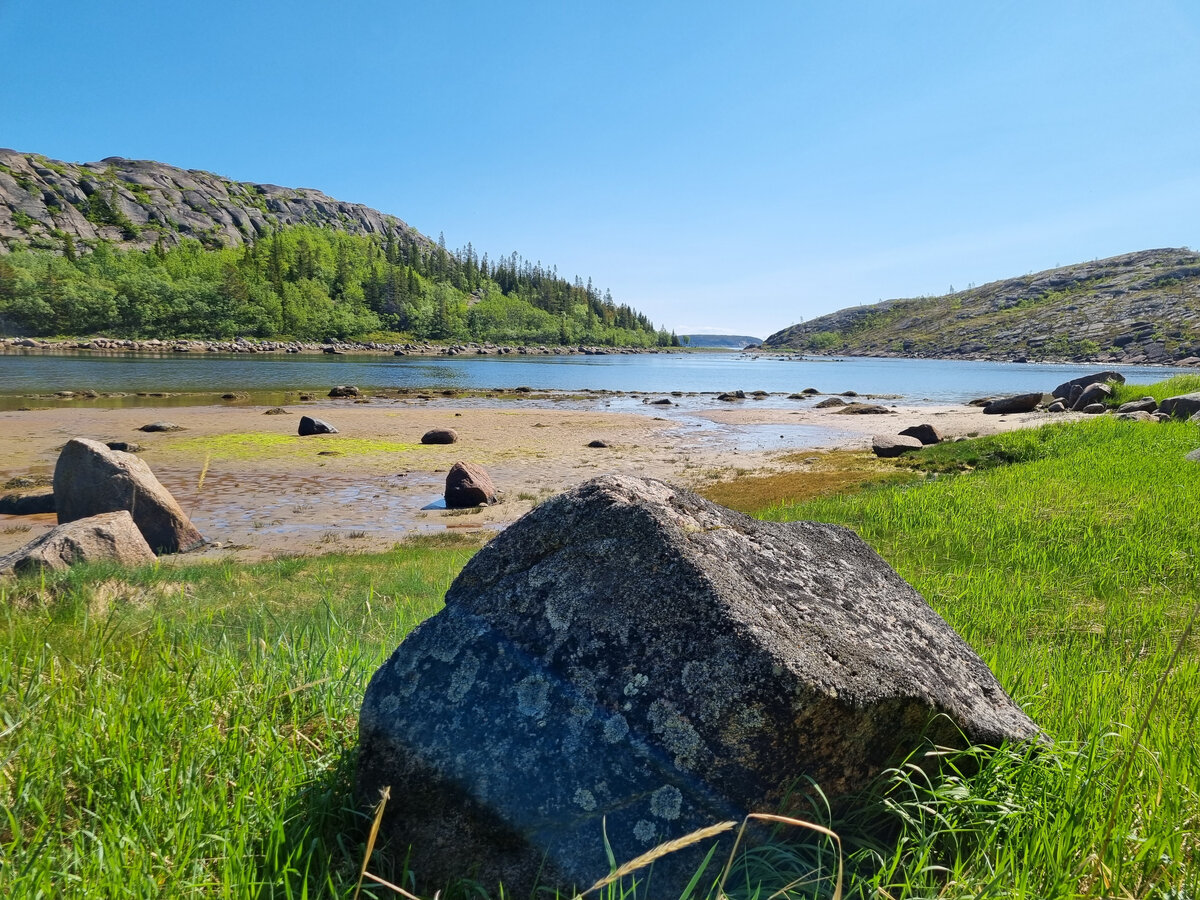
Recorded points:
719,341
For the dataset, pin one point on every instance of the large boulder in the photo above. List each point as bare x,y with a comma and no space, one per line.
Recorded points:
1063,391
468,485
892,445
1181,406
108,537
1018,403
925,433
630,653
1092,394
90,479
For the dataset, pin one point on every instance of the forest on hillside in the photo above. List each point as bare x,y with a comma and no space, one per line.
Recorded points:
309,283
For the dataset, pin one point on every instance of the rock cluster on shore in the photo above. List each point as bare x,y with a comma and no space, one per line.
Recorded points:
244,345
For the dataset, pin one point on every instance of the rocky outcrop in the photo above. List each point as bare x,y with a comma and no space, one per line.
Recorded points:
108,537
1141,307
631,660
468,485
138,203
1182,406
1067,389
90,479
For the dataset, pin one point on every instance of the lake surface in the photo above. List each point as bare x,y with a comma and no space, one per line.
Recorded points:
934,381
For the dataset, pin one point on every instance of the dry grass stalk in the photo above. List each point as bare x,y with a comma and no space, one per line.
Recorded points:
782,820
394,887
384,795
663,849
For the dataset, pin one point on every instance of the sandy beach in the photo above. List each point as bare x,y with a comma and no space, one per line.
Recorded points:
257,490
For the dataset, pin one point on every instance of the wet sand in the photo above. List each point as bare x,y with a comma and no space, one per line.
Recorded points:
256,490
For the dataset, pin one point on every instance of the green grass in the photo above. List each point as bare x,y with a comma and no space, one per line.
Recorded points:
191,731
1070,563
1179,384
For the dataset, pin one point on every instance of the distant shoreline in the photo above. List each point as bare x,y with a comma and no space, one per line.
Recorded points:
159,346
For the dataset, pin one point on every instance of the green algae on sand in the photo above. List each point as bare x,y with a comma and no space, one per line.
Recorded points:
263,445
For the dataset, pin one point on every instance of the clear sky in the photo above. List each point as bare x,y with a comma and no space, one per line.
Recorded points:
722,167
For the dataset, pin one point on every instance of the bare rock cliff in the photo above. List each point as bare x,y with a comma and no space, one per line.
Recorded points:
137,203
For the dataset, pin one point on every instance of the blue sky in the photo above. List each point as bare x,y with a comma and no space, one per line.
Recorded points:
722,168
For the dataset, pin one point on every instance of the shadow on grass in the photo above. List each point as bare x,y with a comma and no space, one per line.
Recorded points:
315,845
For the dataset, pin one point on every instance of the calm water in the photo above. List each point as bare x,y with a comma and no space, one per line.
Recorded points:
941,381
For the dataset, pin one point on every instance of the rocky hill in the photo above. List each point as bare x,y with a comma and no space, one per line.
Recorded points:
1134,308
138,203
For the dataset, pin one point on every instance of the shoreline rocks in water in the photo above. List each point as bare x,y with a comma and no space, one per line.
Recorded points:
244,345
642,663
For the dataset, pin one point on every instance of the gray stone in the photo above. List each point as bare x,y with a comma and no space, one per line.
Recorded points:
925,433
90,479
1064,389
1094,409
468,485
630,653
1092,394
599,444
1182,406
863,409
108,537
124,446
27,504
1146,404
892,445
1138,415
1018,403
1056,407
344,390
440,436
1194,456
830,403
310,426
161,426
